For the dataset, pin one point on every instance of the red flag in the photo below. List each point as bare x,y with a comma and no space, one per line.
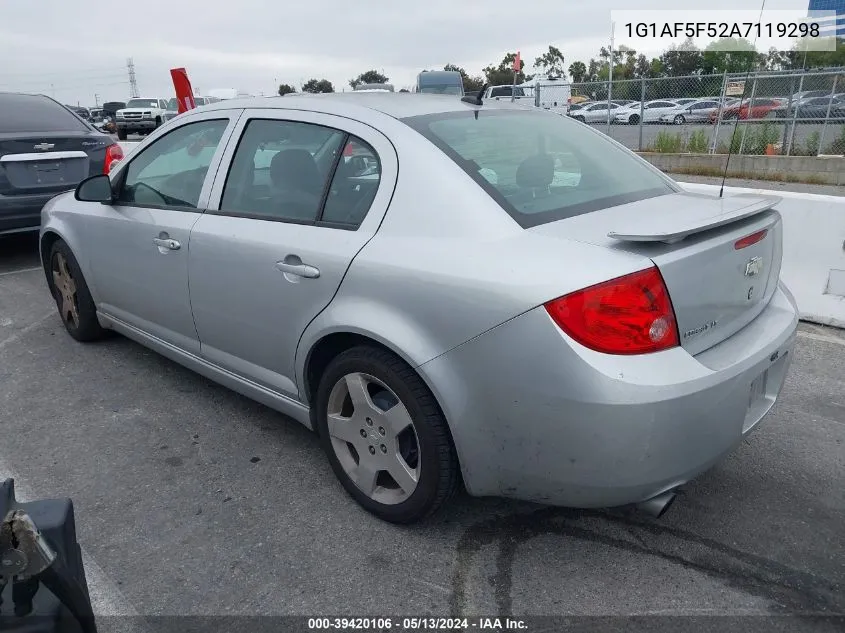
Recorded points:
184,91
517,63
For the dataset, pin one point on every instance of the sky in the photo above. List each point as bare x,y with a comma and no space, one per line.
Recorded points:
76,50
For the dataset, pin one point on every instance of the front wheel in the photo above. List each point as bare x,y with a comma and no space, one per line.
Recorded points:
121,134
680,120
73,299
634,119
385,436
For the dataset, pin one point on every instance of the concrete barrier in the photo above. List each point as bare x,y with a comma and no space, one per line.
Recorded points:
813,247
820,170
813,250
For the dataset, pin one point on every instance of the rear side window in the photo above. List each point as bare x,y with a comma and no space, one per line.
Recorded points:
280,170
20,114
540,167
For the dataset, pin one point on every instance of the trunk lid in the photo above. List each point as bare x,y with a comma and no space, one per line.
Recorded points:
717,286
49,162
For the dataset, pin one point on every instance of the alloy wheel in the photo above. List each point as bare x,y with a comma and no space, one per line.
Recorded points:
373,437
65,287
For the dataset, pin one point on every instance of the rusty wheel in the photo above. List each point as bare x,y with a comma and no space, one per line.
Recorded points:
65,287
73,299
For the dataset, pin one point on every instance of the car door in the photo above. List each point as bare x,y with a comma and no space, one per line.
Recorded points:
656,109
596,113
138,246
300,195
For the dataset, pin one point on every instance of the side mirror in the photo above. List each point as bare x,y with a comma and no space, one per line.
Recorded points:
95,189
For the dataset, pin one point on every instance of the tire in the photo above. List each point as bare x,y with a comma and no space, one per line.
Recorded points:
362,443
580,118
73,299
121,134
634,119
680,120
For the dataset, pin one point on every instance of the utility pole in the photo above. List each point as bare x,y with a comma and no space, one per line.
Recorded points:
610,76
96,100
133,83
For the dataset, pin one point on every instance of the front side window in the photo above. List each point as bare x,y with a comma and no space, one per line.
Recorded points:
540,167
280,170
171,171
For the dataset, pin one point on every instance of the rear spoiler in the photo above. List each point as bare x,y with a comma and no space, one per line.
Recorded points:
687,221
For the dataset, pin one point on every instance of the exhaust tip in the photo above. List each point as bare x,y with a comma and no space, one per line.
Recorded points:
657,506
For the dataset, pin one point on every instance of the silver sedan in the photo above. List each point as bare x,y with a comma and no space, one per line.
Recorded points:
448,293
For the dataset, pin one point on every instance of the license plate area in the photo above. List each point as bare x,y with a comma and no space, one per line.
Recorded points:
46,173
758,389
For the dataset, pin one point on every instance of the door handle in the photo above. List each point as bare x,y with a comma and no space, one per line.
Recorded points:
169,244
300,270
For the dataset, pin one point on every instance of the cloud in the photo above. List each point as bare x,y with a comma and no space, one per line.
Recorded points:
78,49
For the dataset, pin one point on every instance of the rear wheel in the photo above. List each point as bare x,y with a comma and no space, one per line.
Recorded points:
385,436
76,307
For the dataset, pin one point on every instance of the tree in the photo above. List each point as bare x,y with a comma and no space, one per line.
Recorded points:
317,86
471,84
503,73
286,89
732,55
551,63
642,67
369,77
682,60
578,72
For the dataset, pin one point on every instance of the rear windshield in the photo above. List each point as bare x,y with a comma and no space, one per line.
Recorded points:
35,113
541,167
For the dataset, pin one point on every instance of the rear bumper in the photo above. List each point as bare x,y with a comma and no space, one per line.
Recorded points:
22,213
536,416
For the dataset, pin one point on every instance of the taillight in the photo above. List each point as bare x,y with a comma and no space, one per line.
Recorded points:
748,240
627,315
114,153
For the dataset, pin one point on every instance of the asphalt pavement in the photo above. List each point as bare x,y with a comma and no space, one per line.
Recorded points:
191,499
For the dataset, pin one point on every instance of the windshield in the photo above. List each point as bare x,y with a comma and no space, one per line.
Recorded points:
142,103
442,89
541,167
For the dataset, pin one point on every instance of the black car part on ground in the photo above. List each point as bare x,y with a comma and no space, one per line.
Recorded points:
43,588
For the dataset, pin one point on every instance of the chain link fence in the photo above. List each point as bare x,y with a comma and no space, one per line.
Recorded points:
778,113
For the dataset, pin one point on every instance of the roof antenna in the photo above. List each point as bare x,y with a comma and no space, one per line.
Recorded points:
751,62
475,100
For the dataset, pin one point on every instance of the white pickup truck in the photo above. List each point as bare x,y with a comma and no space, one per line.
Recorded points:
140,116
503,93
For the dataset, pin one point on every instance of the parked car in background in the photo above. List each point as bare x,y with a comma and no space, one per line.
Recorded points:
173,105
595,112
819,108
140,116
758,108
44,150
440,82
685,100
82,113
383,87
370,299
498,93
651,111
698,111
